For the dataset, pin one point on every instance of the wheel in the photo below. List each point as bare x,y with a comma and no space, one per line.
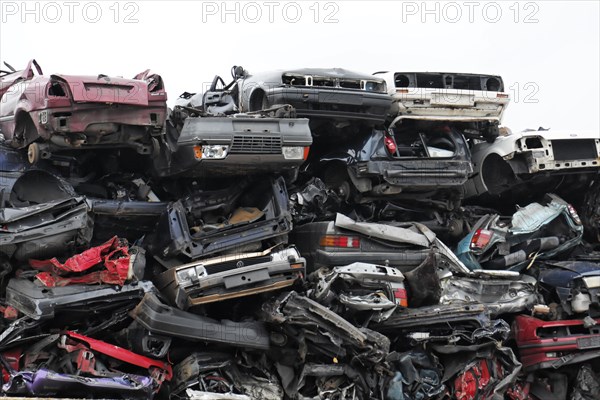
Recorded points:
337,179
33,153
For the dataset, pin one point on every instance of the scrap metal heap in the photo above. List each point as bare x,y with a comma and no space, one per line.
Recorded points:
345,247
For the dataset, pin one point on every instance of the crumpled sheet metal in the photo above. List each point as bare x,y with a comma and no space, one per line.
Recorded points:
44,382
423,238
329,333
385,287
587,384
165,320
500,296
114,255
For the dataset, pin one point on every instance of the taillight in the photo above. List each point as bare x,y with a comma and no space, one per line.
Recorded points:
502,95
573,214
306,151
401,297
351,242
390,145
481,239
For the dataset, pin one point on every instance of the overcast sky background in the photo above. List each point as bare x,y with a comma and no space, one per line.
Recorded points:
548,52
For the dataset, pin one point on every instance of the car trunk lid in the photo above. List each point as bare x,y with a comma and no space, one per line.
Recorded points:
104,89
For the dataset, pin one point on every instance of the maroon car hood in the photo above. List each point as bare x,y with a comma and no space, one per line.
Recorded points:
103,89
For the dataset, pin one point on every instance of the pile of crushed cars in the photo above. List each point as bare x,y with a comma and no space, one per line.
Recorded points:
298,234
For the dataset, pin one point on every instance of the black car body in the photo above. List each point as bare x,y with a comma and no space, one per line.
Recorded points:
317,93
231,146
40,302
428,163
41,216
344,241
246,217
161,319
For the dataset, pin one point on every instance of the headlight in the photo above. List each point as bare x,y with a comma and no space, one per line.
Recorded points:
190,275
591,281
294,152
211,151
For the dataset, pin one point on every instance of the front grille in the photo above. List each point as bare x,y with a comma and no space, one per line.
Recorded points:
574,149
234,264
256,144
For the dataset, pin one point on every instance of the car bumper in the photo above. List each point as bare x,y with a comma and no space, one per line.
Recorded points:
404,261
97,120
328,103
40,302
417,173
161,319
553,350
234,282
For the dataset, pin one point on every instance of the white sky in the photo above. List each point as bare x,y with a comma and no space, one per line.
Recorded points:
554,60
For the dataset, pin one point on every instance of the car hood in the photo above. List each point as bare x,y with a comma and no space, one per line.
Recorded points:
104,89
332,72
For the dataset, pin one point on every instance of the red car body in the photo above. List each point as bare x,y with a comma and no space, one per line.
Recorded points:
552,344
69,112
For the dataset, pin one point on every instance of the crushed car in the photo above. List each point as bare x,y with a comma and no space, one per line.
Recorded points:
46,113
536,231
522,163
422,162
223,146
333,94
232,262
233,276
477,98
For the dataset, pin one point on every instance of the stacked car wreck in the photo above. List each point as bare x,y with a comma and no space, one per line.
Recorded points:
298,234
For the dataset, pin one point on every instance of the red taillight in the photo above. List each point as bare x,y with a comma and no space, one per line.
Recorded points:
502,95
481,238
306,151
390,145
401,297
351,242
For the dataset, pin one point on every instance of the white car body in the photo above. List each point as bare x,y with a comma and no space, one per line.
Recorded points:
432,102
531,152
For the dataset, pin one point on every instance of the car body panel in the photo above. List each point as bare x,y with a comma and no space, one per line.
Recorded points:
574,284
521,157
254,145
552,344
501,296
318,93
164,320
435,160
40,302
404,246
67,111
514,243
228,277
176,239
446,96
